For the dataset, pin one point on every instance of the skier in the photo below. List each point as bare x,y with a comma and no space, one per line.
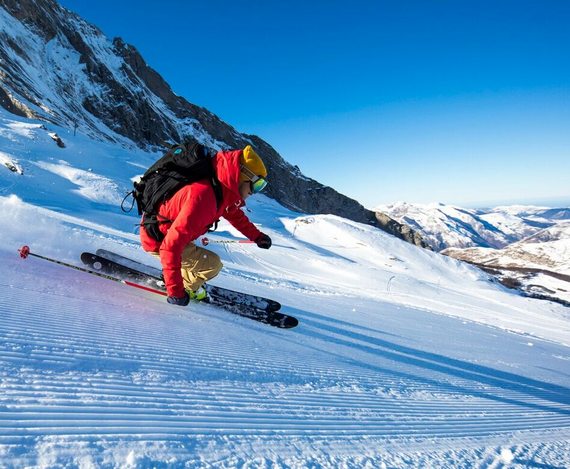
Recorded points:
192,210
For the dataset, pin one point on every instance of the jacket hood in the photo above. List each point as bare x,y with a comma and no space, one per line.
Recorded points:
226,164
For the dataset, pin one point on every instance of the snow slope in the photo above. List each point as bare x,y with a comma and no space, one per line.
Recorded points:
403,357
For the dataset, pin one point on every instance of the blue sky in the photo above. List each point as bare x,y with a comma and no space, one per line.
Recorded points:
455,101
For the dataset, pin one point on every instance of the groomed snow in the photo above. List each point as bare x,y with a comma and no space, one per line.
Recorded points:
403,357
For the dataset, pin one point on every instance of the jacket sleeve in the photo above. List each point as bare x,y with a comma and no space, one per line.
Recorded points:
239,220
191,222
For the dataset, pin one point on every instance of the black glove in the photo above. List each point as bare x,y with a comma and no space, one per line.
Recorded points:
263,241
182,301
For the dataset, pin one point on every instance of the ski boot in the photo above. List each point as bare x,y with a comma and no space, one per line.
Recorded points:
199,295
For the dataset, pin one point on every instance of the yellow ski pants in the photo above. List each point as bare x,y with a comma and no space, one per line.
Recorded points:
198,266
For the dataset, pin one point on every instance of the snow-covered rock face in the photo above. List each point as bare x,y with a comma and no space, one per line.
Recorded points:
59,68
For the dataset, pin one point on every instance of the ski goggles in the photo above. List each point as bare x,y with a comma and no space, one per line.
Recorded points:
258,183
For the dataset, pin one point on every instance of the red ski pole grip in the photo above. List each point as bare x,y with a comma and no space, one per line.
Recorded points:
205,241
24,252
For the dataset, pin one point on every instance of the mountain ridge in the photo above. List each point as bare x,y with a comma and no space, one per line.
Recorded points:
58,68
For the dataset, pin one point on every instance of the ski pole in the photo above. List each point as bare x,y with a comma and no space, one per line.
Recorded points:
206,241
25,252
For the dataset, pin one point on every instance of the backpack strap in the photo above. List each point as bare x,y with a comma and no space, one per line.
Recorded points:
213,227
218,192
128,194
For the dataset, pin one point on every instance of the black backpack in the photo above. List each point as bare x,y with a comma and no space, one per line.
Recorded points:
181,165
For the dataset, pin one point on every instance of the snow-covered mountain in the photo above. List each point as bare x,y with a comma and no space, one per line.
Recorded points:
446,226
548,249
443,226
403,357
521,221
58,69
526,247
539,264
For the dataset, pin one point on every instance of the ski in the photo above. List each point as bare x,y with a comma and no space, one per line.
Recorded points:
225,300
25,252
130,263
153,276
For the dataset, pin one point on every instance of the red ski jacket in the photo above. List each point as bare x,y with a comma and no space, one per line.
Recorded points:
193,209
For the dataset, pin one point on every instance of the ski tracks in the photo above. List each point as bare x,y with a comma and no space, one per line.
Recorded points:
93,373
